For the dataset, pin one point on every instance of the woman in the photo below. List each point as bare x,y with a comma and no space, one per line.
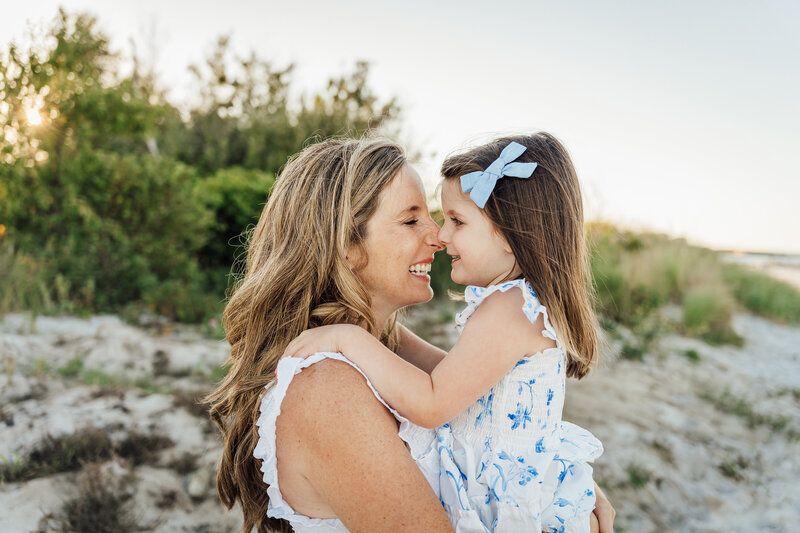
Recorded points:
336,243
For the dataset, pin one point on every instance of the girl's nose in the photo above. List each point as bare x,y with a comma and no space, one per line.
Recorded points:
442,236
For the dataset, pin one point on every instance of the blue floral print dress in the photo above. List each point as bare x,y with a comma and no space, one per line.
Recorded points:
509,463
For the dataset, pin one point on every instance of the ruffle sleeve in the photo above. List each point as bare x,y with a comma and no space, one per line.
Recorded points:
532,307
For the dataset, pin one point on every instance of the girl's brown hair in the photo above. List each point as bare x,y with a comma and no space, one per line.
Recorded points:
296,277
541,218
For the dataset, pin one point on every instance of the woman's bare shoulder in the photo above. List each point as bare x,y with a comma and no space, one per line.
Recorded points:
341,440
331,398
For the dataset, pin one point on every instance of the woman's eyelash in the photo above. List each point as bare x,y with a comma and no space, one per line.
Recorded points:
410,222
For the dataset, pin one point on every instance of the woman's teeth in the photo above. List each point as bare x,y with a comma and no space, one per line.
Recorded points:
422,268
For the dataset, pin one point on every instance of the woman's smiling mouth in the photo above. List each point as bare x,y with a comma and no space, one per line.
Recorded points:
420,270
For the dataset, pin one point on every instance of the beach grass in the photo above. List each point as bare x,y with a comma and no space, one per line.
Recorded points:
762,294
635,275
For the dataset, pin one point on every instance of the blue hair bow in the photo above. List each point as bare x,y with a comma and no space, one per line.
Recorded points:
481,183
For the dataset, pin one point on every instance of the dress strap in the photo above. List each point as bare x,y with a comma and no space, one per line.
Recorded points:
532,307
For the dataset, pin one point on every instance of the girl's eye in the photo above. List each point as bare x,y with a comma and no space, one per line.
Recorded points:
410,222
456,221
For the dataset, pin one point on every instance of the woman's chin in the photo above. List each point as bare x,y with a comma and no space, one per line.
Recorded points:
421,291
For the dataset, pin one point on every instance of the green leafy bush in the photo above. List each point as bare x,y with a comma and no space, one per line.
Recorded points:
234,198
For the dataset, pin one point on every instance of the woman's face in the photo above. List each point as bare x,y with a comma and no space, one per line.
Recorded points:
399,245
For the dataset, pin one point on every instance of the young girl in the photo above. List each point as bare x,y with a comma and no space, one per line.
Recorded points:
503,458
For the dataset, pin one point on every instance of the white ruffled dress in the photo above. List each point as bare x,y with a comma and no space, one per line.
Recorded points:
509,463
506,464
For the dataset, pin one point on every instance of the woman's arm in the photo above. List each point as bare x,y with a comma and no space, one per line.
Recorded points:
351,455
482,356
604,511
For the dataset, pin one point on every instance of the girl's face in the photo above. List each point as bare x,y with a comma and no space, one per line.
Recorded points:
481,256
399,246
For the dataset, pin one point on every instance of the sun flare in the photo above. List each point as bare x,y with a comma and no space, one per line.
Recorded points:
34,118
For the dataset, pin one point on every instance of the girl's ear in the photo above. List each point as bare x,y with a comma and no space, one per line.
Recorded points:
506,246
503,241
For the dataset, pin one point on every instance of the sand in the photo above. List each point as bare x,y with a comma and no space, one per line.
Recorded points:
674,459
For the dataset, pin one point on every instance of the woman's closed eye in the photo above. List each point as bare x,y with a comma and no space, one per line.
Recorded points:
411,222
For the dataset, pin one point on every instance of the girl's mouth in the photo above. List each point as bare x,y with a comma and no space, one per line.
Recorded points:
455,258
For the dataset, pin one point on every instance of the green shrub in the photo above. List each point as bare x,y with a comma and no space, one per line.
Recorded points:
131,227
24,276
707,312
234,197
762,294
636,275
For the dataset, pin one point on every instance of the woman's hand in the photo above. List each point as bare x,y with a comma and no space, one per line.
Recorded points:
604,512
321,339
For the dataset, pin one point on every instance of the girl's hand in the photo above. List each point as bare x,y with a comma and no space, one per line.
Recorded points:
321,339
604,511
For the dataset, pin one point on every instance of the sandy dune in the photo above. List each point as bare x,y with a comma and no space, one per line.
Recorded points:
706,446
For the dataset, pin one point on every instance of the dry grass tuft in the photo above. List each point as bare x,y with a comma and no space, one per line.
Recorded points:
140,448
102,504
65,453
69,453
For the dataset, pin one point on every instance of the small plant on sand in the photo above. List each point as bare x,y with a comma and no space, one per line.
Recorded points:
69,453
65,453
185,464
727,402
10,367
102,503
633,351
11,468
94,376
72,369
40,367
734,467
141,448
638,476
692,355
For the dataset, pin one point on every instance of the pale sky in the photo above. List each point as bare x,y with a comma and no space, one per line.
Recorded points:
681,117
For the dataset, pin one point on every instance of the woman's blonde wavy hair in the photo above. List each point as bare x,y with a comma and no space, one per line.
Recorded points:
296,277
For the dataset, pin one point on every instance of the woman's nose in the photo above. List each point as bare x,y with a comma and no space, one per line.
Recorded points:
432,236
